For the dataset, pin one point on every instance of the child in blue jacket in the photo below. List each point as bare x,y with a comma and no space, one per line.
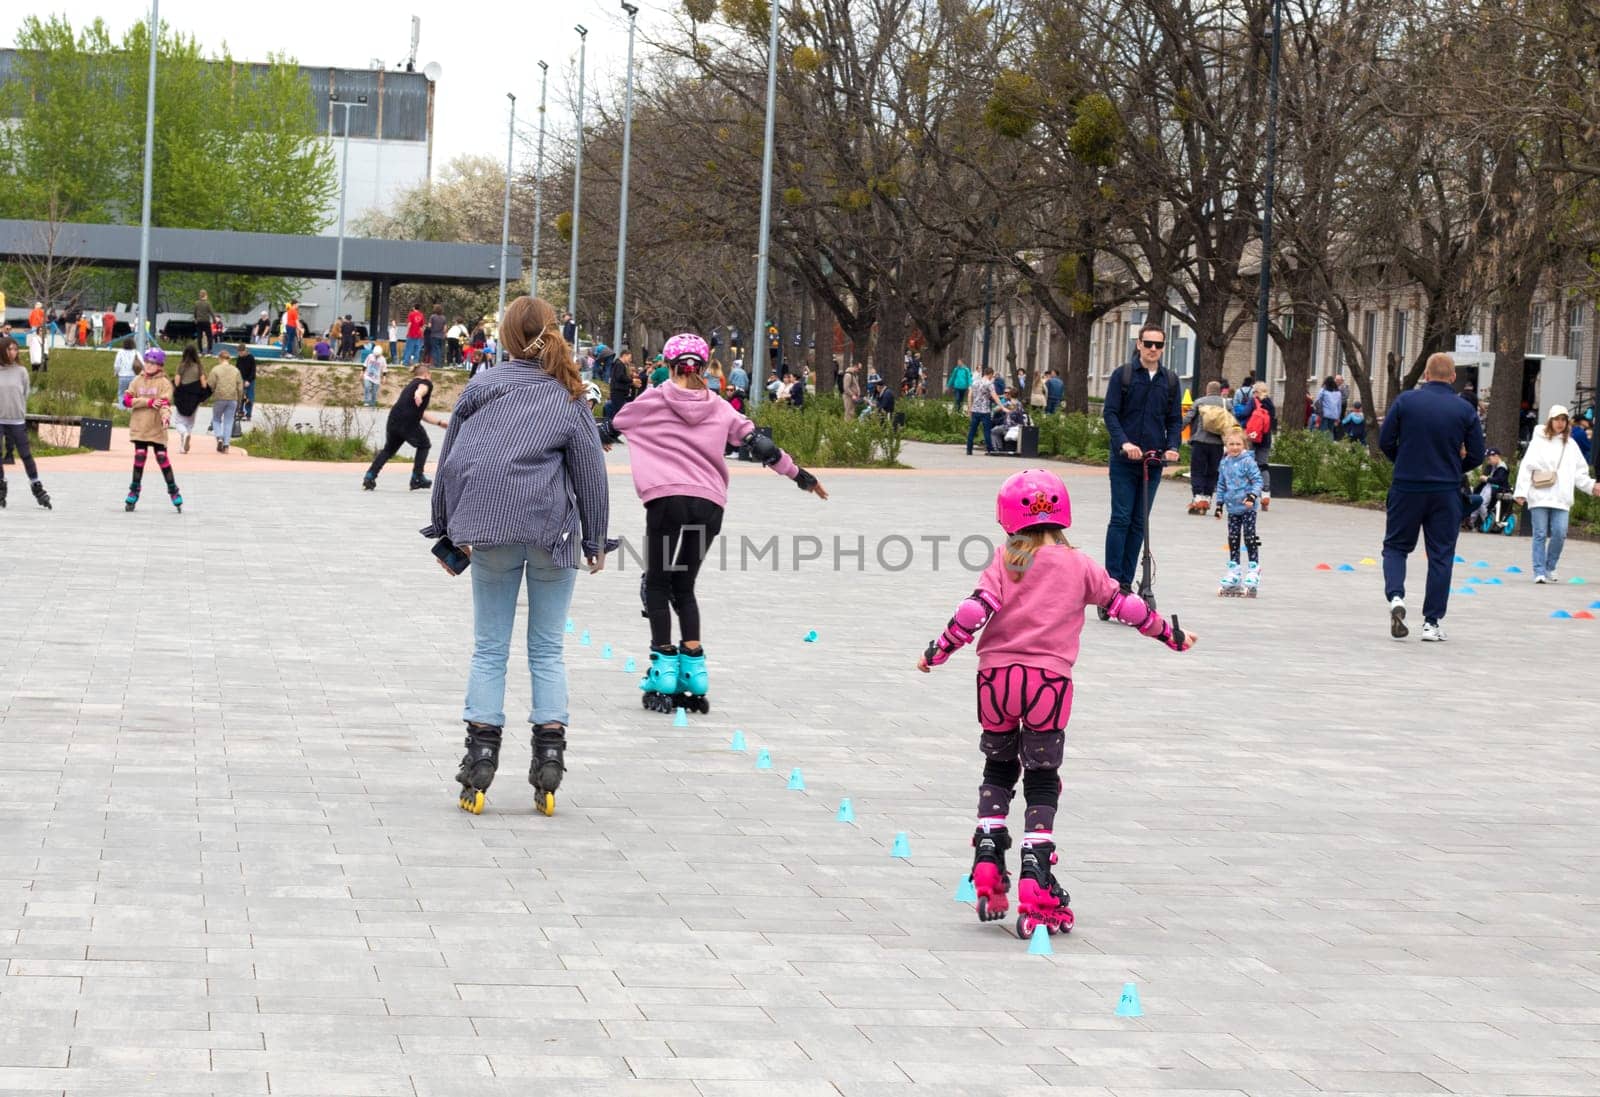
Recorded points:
1238,489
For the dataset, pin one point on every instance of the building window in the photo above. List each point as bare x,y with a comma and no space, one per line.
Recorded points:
1577,318
1537,317
1369,337
1402,329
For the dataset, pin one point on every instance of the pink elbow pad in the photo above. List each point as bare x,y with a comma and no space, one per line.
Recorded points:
1130,609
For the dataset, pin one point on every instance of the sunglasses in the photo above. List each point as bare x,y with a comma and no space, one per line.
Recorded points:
1153,345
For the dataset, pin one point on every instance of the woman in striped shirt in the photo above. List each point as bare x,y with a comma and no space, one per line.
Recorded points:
521,488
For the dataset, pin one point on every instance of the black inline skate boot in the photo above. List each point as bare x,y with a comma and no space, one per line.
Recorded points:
1041,900
40,496
547,766
132,500
418,482
478,765
990,877
2,495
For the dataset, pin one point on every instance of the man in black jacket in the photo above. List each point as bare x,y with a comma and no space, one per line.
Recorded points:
620,378
1432,436
1144,414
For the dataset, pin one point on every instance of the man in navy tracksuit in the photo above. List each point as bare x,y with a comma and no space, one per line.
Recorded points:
1432,436
1144,413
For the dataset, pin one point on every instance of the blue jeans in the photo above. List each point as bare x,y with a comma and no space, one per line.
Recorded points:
436,351
1125,532
369,393
1436,515
122,387
222,412
413,351
961,398
980,418
497,577
1549,525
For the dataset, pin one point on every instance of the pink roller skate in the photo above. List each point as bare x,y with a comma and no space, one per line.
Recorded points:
1040,899
989,876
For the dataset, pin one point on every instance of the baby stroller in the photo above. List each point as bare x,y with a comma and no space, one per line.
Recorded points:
1500,516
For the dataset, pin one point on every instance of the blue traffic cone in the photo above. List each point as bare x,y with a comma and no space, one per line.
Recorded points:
1039,942
847,813
738,741
570,625
1345,567
965,892
605,652
1594,605
630,667
1461,559
1513,570
1494,581
1577,580
763,759
902,846
1128,1005
1480,563
1562,614
584,639
680,719
797,783
811,637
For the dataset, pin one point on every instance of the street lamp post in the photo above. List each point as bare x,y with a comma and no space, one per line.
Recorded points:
344,181
1262,301
140,320
505,222
538,187
758,338
622,215
577,182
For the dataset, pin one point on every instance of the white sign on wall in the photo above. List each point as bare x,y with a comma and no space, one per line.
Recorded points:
1469,344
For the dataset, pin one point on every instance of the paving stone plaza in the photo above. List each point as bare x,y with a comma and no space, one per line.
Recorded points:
231,859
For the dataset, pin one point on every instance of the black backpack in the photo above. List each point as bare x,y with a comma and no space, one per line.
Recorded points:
1125,375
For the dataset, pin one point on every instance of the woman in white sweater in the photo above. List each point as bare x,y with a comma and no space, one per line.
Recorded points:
1551,470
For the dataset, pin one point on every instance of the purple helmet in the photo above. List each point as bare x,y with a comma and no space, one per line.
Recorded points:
1033,497
156,355
684,348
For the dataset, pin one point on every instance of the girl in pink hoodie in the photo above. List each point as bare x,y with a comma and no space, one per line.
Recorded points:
677,434
1032,598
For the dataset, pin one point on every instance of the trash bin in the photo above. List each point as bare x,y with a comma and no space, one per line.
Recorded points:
1029,442
1280,481
95,433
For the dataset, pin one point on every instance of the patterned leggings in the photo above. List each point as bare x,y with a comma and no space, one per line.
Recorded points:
1024,712
1243,524
139,458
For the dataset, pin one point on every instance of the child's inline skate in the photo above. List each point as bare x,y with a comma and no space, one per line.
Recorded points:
660,681
1252,579
478,765
1231,581
990,878
1041,900
547,766
40,496
692,680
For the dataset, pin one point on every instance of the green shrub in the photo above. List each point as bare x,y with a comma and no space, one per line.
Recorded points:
337,437
1324,466
820,436
933,420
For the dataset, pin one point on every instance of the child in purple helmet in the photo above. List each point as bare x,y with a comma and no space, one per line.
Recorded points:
149,402
677,434
1032,598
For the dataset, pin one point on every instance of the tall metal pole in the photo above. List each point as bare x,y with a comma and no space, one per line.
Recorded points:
538,187
758,337
622,215
577,184
1266,205
344,182
142,319
505,220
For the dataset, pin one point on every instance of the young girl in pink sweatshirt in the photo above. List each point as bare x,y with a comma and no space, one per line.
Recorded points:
1030,604
677,434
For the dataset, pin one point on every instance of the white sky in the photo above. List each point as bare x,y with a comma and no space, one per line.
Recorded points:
485,49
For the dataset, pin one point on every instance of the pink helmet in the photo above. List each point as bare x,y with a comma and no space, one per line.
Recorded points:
686,346
1033,497
156,355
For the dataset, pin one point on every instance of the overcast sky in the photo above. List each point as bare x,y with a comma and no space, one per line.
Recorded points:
494,52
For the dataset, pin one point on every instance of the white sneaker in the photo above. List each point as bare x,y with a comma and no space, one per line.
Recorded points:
1397,618
1432,632
1551,577
1540,579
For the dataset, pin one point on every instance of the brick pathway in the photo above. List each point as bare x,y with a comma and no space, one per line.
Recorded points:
231,862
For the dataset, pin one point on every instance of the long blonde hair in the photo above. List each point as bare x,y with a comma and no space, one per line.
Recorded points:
530,331
1021,546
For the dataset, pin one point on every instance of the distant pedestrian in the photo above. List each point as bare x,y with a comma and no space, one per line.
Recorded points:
1054,390
415,322
204,314
14,385
1209,420
436,336
108,327
455,339
372,375
1432,436
291,329
852,390
227,389
188,394
960,382
406,418
1551,471
125,365
247,374
1330,408
261,333
149,403
980,409
347,339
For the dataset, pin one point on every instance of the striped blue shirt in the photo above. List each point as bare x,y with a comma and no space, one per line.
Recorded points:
522,465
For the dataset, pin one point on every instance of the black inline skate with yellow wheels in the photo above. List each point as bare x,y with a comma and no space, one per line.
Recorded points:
478,765
548,766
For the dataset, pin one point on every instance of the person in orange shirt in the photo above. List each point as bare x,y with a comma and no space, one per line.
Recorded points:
83,331
36,317
291,328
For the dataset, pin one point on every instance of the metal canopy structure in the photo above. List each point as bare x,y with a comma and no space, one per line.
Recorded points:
383,263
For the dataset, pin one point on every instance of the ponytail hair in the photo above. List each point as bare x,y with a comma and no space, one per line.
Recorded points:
1021,546
531,333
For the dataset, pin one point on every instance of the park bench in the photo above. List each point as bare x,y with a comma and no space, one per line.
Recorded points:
92,433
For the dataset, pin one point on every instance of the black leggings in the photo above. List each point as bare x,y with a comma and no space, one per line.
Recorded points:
413,436
16,435
678,531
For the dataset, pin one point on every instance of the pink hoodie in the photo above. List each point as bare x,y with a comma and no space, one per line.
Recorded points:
676,438
1040,619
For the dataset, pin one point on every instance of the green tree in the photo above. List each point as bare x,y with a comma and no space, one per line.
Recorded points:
237,146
